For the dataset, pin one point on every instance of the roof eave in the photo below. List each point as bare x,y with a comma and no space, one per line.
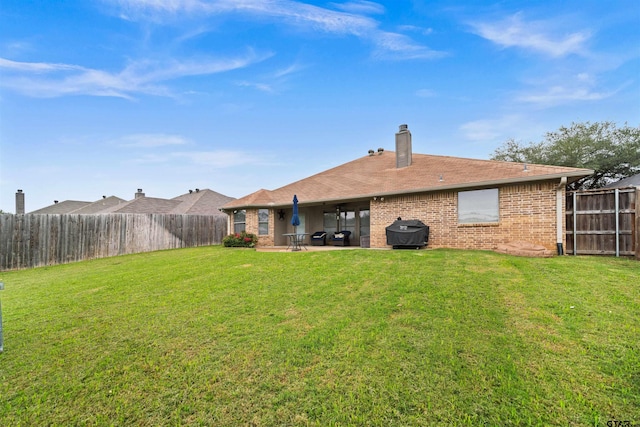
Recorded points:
504,181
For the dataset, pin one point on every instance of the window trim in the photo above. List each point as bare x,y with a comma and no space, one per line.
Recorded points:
263,223
491,218
236,223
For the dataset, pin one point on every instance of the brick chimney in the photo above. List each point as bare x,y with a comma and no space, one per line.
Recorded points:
19,202
139,193
403,147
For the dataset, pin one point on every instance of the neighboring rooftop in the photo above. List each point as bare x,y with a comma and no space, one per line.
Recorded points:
198,202
66,206
632,181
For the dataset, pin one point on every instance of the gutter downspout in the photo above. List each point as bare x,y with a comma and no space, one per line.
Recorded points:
559,217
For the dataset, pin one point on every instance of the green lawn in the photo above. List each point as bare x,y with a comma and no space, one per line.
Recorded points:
221,336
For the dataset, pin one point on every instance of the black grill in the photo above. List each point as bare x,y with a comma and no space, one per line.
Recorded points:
407,234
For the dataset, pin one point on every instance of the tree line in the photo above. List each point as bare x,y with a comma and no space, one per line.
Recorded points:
613,153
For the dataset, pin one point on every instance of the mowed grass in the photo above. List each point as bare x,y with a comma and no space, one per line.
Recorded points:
220,336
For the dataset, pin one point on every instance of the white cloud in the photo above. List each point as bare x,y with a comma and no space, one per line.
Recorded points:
141,77
352,20
150,140
262,87
559,89
360,6
535,35
557,95
491,129
399,46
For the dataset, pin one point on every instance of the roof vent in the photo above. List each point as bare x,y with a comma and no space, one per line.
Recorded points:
380,151
139,193
197,190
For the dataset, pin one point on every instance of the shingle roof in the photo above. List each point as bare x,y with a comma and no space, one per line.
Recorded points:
100,205
201,202
632,181
377,175
64,207
143,205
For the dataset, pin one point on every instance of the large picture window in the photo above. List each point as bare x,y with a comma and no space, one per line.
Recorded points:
478,206
263,222
239,221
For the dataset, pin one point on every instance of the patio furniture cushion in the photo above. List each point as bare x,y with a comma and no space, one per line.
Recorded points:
319,238
341,238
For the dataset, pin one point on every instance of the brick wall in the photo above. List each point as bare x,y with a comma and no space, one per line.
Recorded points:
527,213
251,226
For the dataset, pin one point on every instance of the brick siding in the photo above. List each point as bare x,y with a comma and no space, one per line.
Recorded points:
527,213
251,226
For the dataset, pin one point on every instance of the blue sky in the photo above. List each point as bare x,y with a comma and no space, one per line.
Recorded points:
104,97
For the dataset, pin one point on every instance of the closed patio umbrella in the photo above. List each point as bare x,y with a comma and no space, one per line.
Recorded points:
295,219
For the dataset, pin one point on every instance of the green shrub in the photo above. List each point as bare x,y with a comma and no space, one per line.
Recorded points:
240,240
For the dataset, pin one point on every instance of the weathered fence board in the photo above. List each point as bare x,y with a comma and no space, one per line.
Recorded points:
34,240
603,222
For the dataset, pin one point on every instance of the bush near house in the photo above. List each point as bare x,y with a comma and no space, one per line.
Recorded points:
240,240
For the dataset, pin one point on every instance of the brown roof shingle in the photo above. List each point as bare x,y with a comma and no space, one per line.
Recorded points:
377,175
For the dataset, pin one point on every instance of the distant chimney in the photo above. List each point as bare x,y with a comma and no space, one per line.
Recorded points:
19,202
403,147
139,193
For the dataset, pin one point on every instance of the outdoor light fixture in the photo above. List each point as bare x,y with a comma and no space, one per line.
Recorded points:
281,215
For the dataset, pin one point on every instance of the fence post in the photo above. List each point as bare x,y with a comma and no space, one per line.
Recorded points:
617,209
637,224
1,339
575,223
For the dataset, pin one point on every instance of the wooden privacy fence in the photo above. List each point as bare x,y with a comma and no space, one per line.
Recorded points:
603,222
34,240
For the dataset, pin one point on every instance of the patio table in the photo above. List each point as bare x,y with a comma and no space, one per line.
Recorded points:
296,241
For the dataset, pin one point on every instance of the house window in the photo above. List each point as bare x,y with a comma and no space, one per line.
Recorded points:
478,206
330,222
239,221
348,221
365,216
263,222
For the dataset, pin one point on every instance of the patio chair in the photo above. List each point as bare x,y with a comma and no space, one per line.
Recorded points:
341,238
319,238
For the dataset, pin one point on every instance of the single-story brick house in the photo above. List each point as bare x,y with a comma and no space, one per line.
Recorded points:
467,203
